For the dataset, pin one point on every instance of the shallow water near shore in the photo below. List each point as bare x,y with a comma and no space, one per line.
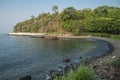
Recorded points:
20,56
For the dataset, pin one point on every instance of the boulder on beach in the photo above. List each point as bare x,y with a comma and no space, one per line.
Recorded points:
42,36
53,37
66,60
36,36
27,77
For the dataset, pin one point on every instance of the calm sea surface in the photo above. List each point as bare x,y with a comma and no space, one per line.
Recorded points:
20,56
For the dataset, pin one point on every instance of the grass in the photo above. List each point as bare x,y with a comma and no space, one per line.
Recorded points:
115,62
117,37
82,73
107,35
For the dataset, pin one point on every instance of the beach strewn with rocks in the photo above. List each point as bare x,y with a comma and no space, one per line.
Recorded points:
102,66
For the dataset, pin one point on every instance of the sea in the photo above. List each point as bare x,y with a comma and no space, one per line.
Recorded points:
23,55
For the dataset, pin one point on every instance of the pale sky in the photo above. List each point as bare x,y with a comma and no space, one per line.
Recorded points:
14,11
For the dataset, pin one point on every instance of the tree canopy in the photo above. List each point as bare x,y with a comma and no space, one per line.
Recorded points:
55,9
103,19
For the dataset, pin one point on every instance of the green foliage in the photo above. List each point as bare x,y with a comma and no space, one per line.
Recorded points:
103,19
71,26
104,35
82,73
55,9
51,29
102,11
68,14
116,37
115,62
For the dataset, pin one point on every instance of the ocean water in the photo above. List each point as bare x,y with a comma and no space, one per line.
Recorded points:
22,55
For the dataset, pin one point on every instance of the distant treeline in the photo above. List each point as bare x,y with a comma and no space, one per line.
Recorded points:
103,19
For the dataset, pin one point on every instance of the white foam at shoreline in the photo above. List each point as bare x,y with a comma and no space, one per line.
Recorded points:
42,34
27,34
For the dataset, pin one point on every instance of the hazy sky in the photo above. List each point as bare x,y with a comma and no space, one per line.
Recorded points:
14,11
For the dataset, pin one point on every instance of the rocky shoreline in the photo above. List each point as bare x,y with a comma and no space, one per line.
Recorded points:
101,65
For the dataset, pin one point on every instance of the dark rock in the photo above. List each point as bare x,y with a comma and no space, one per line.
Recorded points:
37,36
48,77
87,60
66,68
34,36
96,77
42,36
73,66
53,37
55,72
95,66
27,77
66,60
62,65
59,72
81,57
76,63
52,72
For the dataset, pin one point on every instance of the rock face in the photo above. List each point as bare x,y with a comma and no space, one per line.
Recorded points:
27,77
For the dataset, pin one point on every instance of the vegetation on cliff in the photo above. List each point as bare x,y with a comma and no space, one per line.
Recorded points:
103,19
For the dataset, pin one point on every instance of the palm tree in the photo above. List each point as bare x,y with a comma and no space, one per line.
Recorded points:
55,9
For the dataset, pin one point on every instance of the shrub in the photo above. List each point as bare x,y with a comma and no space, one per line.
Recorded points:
116,37
82,73
115,62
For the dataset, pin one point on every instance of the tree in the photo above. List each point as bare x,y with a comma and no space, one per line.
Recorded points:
101,11
68,14
55,9
32,16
